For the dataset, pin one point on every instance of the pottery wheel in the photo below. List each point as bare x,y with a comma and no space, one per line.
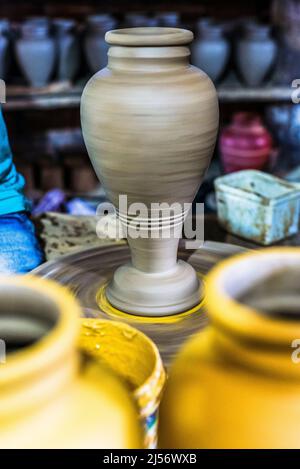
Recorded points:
87,273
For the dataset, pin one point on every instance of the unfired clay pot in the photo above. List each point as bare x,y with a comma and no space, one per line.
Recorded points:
237,383
95,46
210,51
256,54
36,52
68,49
4,48
149,122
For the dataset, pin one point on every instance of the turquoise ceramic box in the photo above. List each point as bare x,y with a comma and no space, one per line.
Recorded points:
258,206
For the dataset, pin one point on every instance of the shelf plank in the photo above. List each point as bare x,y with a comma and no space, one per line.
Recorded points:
53,97
265,94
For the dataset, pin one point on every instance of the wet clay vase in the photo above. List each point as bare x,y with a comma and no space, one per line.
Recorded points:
95,46
36,52
237,383
4,48
210,50
245,143
149,122
255,54
68,49
52,395
135,359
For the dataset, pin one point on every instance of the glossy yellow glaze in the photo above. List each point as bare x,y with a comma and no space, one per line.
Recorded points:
132,356
235,385
52,396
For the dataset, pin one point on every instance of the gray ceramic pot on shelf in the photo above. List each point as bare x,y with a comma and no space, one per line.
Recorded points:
67,49
4,48
95,46
36,52
255,54
210,50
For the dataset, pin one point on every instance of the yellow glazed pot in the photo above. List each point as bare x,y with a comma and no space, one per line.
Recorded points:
52,396
237,383
134,358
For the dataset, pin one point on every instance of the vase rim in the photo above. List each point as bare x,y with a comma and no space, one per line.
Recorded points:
149,36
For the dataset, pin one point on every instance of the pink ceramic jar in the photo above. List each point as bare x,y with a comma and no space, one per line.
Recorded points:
245,143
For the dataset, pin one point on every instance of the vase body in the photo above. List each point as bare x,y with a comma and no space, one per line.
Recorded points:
67,48
149,122
36,52
94,44
236,384
255,54
51,395
210,50
245,143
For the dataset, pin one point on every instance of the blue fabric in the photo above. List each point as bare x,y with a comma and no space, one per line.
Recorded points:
12,183
19,249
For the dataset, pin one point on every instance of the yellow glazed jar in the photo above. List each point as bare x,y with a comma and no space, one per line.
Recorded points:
237,383
134,358
52,396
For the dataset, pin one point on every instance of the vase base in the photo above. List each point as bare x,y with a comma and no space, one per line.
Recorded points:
155,294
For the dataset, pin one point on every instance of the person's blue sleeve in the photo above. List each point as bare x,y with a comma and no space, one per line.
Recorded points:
12,183
19,248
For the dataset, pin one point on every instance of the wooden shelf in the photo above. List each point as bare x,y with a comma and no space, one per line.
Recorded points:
58,96
266,94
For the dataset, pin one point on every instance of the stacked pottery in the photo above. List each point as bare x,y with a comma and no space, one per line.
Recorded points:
36,51
245,143
68,49
210,50
237,383
255,54
4,48
95,46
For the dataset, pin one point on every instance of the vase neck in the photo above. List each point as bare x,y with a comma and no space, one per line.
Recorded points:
147,59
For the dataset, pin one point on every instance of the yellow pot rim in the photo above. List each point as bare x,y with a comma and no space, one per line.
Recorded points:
57,343
240,319
151,388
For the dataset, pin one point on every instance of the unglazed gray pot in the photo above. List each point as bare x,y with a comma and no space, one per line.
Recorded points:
4,49
95,46
210,51
255,54
67,49
36,52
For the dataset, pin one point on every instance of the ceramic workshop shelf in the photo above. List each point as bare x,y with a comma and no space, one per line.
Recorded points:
54,97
